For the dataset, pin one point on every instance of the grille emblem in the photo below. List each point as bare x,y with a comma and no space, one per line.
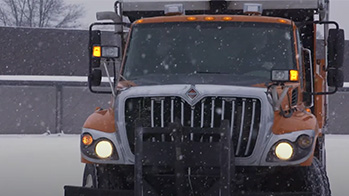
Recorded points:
192,93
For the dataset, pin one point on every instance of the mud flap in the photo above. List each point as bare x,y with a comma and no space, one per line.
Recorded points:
185,157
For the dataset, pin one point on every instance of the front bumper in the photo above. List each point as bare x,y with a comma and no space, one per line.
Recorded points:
83,191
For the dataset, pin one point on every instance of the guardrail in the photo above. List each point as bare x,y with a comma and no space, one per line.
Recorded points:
56,104
39,104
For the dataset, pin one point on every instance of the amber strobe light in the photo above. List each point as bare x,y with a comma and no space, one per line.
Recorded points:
97,51
87,139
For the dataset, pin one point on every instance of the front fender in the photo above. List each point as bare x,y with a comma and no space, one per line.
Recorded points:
102,120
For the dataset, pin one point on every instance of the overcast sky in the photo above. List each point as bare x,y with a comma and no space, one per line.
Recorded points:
338,11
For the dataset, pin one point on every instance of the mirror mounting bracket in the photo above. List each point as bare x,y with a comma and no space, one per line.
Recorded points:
323,93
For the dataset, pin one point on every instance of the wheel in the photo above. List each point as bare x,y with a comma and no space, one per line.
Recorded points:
286,179
316,179
90,176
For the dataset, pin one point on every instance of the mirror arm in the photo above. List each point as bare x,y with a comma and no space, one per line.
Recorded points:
98,92
327,22
324,93
302,24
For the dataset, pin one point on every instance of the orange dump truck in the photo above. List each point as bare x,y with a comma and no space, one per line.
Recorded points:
210,98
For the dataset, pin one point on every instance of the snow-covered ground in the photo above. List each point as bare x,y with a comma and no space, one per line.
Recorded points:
337,147
40,165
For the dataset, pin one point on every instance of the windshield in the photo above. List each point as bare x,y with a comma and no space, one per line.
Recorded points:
208,52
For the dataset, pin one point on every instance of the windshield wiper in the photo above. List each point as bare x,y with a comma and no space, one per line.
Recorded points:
207,72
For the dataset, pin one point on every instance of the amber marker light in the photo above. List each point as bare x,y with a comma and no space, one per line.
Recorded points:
227,18
294,75
97,51
209,18
191,18
282,21
87,139
140,21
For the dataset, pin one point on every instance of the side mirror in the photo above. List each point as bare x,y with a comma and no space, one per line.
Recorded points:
95,77
336,48
335,78
105,47
95,40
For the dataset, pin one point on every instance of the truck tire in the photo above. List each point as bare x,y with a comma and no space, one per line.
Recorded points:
90,176
316,179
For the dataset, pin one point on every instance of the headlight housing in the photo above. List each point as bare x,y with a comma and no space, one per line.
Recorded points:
98,147
285,150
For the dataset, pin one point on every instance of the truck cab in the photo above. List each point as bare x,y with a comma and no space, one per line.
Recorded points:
212,97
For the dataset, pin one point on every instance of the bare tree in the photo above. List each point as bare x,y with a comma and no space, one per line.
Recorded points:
39,13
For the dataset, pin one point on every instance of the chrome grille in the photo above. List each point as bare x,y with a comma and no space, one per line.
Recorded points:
243,113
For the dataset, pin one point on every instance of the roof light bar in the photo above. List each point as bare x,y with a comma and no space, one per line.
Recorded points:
253,9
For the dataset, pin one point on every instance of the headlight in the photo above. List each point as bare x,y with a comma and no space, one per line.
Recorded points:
284,151
104,149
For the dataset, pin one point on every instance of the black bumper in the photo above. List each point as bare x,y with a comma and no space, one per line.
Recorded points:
82,191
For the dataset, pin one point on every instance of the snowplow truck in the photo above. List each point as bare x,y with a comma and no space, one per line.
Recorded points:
210,98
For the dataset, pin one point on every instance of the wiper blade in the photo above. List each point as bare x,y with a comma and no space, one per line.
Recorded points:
207,72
